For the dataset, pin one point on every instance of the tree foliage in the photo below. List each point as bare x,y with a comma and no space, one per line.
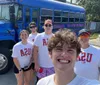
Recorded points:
92,9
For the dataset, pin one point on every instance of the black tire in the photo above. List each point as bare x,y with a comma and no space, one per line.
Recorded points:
6,61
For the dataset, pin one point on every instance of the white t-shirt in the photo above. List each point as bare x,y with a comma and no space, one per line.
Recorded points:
23,53
41,41
88,63
78,80
31,37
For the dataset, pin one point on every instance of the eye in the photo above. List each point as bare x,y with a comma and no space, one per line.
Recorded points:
58,49
71,50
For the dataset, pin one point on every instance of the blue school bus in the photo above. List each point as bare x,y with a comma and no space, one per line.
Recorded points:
15,15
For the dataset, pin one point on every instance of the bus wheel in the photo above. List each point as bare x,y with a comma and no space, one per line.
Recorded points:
5,60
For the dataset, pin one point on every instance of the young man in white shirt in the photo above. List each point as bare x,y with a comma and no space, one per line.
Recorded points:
63,50
34,33
43,63
31,38
88,62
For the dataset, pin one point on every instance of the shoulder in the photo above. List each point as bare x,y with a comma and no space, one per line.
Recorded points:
17,45
30,35
94,47
29,43
45,80
86,81
93,82
40,35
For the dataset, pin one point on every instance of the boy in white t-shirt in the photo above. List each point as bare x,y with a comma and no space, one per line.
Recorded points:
88,62
31,38
43,63
63,50
34,33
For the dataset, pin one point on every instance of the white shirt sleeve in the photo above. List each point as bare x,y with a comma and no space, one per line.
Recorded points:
99,57
37,40
94,82
15,52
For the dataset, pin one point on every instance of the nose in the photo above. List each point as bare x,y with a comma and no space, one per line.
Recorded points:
64,54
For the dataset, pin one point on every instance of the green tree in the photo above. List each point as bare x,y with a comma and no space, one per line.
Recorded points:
92,9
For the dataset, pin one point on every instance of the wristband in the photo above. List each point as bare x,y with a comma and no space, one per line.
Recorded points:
20,69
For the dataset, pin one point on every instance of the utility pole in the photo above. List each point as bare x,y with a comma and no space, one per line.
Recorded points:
71,1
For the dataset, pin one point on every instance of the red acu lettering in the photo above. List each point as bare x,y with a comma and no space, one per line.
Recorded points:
29,51
44,42
83,57
89,57
78,58
21,52
33,40
25,51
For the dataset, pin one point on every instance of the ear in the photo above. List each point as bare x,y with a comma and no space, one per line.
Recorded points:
50,54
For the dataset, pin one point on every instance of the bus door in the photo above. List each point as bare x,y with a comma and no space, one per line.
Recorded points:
27,16
35,16
19,21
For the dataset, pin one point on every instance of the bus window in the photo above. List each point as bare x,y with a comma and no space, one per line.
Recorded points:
46,14
82,16
65,17
43,18
57,16
4,12
71,17
27,15
35,15
16,10
20,14
77,17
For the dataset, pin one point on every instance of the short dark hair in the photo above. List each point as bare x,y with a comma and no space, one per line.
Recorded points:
32,23
64,36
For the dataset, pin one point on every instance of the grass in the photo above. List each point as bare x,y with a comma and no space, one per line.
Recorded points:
94,35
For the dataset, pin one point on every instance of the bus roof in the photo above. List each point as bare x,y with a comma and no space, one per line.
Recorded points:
49,4
53,5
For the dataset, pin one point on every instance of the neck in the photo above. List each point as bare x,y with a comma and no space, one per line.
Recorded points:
34,32
24,42
63,78
48,33
85,46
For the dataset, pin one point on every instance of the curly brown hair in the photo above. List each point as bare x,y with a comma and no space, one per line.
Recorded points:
64,36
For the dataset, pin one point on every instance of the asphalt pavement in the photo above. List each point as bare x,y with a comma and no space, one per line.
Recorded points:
8,78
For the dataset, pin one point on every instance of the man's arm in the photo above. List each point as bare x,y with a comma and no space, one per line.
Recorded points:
35,57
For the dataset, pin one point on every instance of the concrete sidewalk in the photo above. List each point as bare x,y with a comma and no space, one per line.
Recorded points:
95,42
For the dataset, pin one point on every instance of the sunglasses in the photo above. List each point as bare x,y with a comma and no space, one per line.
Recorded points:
84,36
32,27
47,25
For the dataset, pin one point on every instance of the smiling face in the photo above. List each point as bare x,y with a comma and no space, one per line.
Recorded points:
63,49
24,35
63,57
